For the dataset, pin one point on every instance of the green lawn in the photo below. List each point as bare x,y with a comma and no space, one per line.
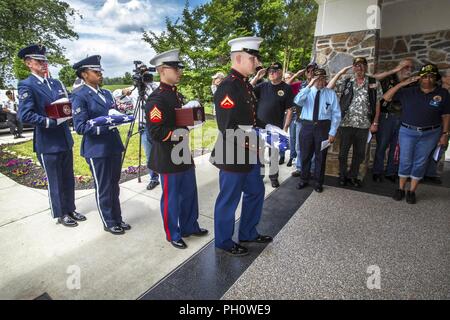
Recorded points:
201,138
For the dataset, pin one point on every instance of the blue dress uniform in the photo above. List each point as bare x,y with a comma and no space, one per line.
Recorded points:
101,146
52,141
235,104
179,201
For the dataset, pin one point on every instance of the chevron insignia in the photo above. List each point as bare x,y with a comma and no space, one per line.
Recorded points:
155,115
227,103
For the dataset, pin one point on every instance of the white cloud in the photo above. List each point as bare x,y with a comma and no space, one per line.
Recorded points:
113,29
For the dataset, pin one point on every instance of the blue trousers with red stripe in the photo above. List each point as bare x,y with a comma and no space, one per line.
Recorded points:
179,204
232,185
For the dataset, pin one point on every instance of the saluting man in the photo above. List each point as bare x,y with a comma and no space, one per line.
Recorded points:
101,145
52,140
179,201
235,104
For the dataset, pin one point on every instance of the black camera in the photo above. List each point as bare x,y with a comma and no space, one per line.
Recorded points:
142,73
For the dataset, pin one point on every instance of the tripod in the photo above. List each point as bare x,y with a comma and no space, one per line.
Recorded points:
139,116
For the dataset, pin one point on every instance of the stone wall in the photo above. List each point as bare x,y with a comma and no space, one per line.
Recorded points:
422,48
337,51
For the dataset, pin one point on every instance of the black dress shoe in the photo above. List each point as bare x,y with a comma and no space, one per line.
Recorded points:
179,244
236,251
275,183
318,188
391,178
377,177
202,232
342,182
411,197
77,216
302,185
260,239
296,173
114,230
354,182
67,221
152,185
289,164
125,226
398,195
281,161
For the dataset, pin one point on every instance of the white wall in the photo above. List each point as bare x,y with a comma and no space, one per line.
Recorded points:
414,16
339,16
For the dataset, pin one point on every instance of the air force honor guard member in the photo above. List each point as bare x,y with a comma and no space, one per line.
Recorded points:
179,200
320,118
235,104
52,140
101,146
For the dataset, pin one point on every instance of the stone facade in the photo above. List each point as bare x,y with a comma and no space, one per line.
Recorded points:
337,51
422,48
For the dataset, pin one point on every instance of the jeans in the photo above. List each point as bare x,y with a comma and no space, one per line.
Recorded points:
148,148
415,149
387,136
357,138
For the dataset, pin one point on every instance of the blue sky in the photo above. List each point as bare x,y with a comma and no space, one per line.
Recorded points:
113,29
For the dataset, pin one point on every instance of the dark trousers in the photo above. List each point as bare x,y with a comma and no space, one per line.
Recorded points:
15,126
387,137
61,182
106,172
311,137
356,138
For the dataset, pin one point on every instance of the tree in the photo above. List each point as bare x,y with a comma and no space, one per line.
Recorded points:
32,21
202,34
127,78
67,75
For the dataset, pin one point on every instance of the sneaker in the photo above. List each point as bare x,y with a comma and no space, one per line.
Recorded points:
399,195
411,197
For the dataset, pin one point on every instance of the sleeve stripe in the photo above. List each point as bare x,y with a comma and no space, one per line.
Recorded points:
168,136
47,123
98,131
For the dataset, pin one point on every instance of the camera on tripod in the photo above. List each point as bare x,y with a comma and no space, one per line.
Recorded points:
142,74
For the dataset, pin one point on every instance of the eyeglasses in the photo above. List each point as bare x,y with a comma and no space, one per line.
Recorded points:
273,70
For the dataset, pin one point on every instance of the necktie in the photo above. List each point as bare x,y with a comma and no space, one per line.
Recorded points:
47,83
101,96
316,106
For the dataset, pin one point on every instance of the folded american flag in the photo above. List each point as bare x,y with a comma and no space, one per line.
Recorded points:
110,120
274,137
